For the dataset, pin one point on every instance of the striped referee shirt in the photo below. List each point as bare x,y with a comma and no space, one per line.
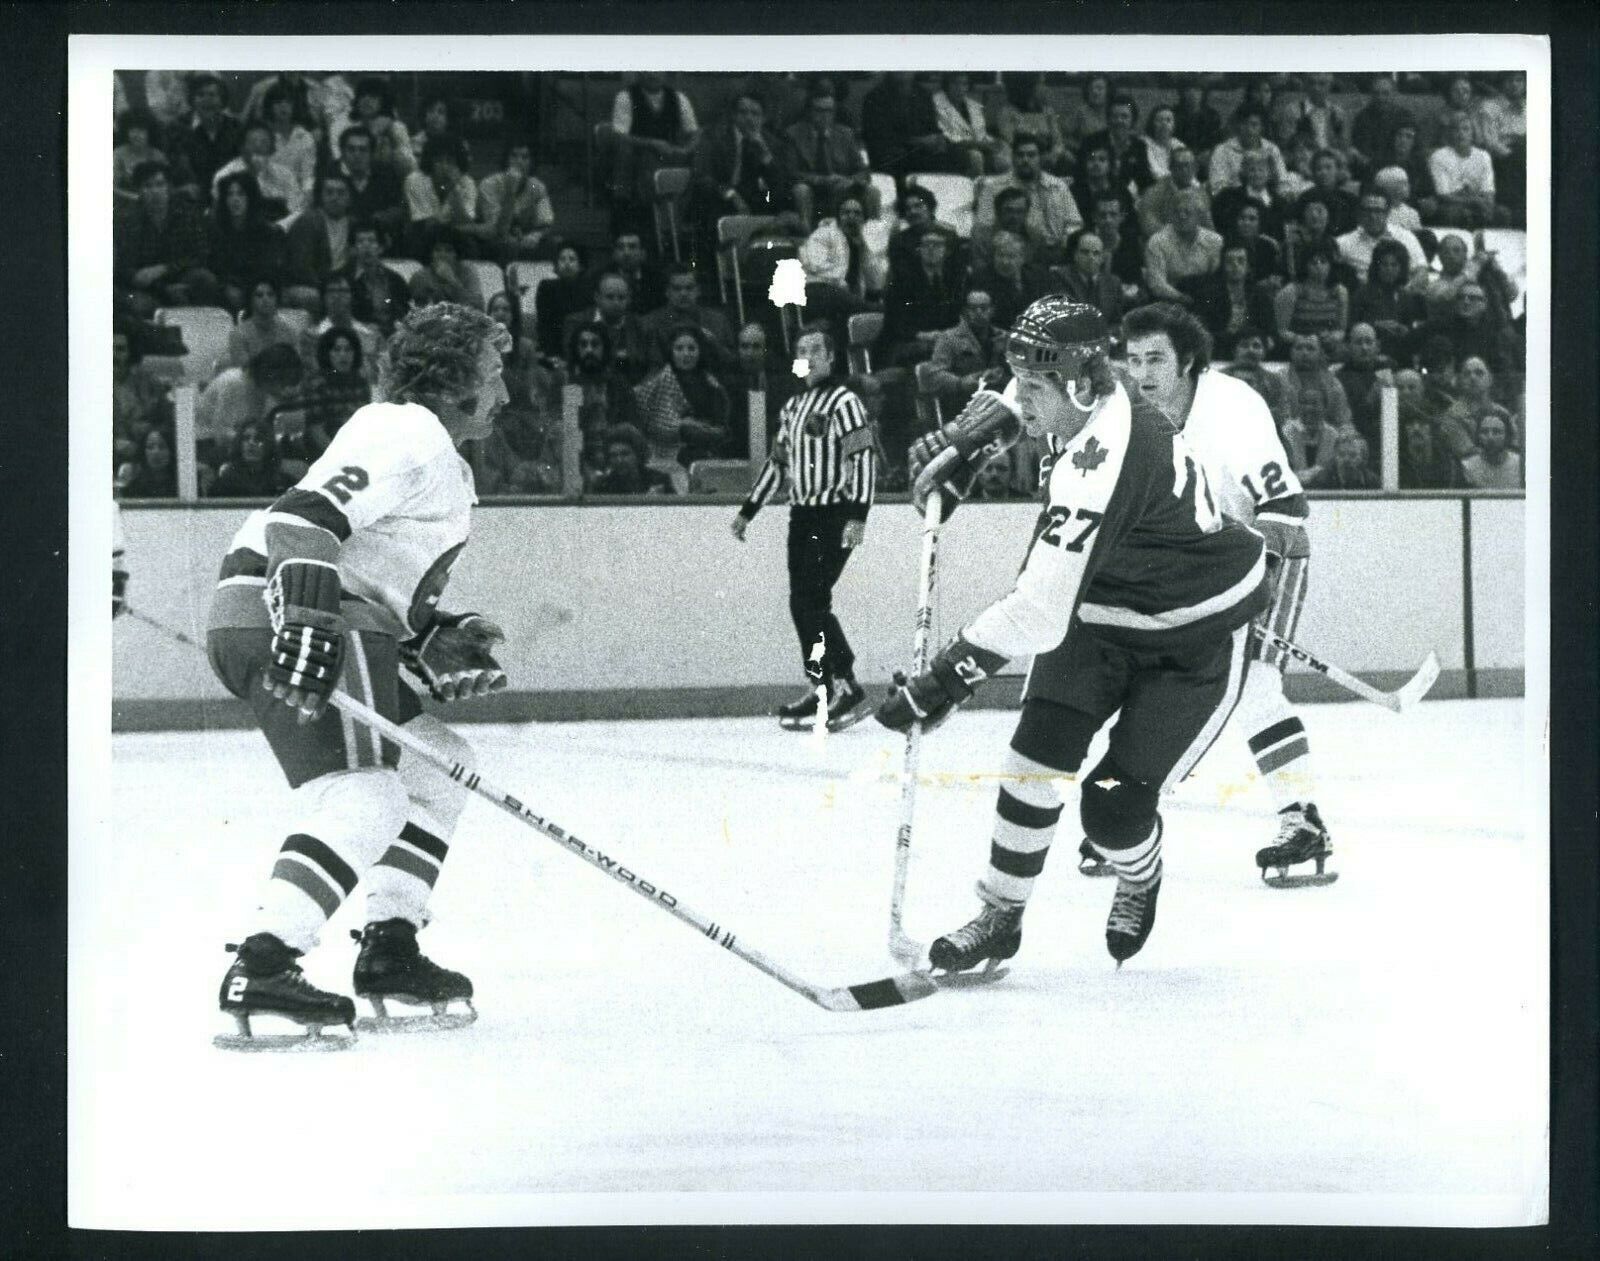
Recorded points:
826,447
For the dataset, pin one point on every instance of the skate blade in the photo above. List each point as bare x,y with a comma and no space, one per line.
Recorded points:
991,972
292,1043
1097,873
790,724
849,720
1306,881
436,1021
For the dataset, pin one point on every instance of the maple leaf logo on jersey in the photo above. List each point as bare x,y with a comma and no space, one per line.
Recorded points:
1090,458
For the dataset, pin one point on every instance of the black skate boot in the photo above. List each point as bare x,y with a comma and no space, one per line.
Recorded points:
390,966
1090,863
845,707
990,939
800,714
1301,839
265,980
1133,915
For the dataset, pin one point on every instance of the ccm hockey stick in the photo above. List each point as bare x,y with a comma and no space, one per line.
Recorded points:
891,991
1397,701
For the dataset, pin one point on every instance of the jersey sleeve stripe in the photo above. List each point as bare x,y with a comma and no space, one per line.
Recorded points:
1290,509
305,507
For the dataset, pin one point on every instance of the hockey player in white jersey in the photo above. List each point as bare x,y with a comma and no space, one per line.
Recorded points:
1227,425
337,584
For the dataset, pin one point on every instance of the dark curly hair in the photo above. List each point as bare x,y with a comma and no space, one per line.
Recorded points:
1190,340
433,354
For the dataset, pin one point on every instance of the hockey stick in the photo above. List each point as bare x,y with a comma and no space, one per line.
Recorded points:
1397,701
169,631
903,948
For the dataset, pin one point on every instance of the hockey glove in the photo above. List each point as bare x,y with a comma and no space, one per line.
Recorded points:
952,456
119,592
933,695
307,635
453,657
1285,541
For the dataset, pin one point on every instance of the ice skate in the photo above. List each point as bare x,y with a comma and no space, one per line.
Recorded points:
390,968
989,939
1090,863
800,714
1133,915
846,705
265,980
1301,839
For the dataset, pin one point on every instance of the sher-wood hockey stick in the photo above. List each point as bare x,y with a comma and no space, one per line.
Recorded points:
890,991
1398,701
904,949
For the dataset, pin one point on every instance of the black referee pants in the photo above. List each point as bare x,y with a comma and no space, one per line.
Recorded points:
816,559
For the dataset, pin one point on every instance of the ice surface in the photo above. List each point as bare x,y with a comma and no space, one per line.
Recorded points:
1370,1051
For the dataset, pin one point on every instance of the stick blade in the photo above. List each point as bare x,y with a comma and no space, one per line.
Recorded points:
1420,683
891,991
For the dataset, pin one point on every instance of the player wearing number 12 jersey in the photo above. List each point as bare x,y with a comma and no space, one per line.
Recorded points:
1136,596
337,585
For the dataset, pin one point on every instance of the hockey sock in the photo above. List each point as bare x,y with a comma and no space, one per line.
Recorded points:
346,820
1026,812
400,883
1277,738
1140,864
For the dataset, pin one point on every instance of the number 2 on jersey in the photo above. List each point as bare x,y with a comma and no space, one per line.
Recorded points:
1272,483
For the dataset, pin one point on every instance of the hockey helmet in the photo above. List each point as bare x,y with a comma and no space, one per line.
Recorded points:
1060,335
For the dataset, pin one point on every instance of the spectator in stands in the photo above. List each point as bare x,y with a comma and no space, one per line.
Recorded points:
846,262
626,472
1233,300
1198,124
1253,188
1086,278
1052,213
153,474
259,326
441,194
964,124
1011,211
1504,124
1316,404
212,138
376,192
166,92
1095,178
1407,154
293,146
1457,268
1130,157
684,409
1125,252
1349,469
900,128
522,456
1372,131
338,305
824,159
1160,137
373,112
653,125
1413,395
241,394
1266,254
1356,248
920,301
1089,114
737,171
1309,226
319,243
1012,283
1249,126
756,368
1155,203
311,102
1473,328
435,123
338,384
159,247
1313,113
1026,110
446,278
379,294
682,308
1395,185
281,193
1298,155
566,293
1180,256
1437,359
1365,374
136,144
1463,180
970,354
1260,93
1388,302
1249,351
1493,466
1328,188
243,245
629,259
1314,304
607,396
1458,424
514,210
1424,463
627,347
994,480
138,399
252,470
917,210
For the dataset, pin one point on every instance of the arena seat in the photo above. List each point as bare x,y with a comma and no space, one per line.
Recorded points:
669,183
887,195
491,277
863,330
406,268
205,334
522,279
720,477
956,195
928,410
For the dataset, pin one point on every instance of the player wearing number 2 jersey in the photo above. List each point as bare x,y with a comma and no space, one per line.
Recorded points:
1135,597
337,585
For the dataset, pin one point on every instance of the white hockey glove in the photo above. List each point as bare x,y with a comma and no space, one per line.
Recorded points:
453,656
307,635
952,456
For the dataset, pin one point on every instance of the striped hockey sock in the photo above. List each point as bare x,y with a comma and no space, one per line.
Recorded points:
1026,812
1283,755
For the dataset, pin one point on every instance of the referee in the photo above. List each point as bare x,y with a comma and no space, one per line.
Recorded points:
826,443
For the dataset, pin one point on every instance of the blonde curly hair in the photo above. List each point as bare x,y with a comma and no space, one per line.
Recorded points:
434,352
